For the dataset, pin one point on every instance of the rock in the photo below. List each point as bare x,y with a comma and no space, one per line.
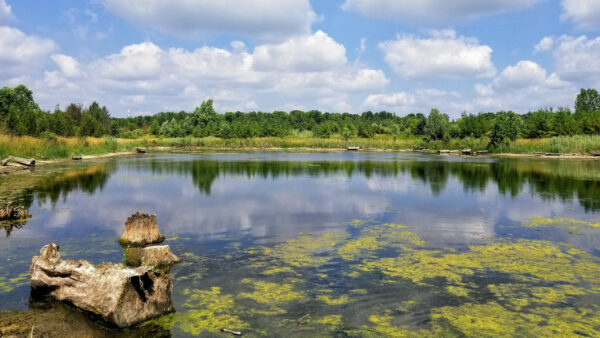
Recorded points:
157,255
141,230
9,213
120,295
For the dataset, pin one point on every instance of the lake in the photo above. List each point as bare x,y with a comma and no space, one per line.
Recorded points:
326,244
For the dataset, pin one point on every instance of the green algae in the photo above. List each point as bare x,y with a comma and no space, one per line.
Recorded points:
306,250
335,320
9,284
344,299
458,291
568,223
524,259
273,295
210,310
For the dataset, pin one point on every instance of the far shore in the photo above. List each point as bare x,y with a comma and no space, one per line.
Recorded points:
13,168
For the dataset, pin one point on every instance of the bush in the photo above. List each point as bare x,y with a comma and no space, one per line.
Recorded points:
111,143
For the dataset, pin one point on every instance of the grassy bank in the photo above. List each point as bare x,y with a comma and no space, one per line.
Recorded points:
60,147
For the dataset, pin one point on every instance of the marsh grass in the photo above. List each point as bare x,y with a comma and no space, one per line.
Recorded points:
50,146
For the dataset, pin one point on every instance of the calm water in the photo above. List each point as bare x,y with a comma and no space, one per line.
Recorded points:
332,244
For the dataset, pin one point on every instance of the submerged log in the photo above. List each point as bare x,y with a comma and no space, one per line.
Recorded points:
141,230
10,213
22,161
156,255
121,296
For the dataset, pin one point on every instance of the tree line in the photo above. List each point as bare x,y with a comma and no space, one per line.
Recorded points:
20,115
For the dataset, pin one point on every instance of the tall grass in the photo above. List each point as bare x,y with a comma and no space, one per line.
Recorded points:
579,144
52,147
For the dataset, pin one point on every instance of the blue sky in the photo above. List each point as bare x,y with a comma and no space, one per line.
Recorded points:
146,56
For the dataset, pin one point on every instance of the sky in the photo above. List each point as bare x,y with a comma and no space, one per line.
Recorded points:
403,56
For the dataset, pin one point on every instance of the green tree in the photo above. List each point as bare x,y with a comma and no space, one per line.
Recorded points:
436,126
588,100
507,127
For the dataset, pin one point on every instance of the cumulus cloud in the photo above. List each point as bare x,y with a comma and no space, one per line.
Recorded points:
443,54
309,70
419,101
434,12
585,14
263,19
576,59
523,87
22,54
5,12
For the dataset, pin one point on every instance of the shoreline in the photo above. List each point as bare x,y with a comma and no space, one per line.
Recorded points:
11,168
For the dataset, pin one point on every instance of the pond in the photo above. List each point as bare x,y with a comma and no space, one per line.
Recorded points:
325,244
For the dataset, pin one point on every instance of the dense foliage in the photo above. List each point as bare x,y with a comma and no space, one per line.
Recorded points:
20,115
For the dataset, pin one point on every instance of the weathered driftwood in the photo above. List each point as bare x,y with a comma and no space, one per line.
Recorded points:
235,333
22,161
10,213
552,154
353,148
156,255
141,230
140,150
122,296
466,151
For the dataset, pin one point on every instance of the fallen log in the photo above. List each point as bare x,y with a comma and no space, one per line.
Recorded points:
466,151
120,295
77,158
22,161
140,150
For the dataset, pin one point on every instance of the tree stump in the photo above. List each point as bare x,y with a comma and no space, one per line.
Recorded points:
141,230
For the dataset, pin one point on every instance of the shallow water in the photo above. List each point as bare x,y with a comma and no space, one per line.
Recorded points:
327,244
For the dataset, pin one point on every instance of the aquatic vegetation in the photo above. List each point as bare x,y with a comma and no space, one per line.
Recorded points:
306,250
358,248
525,259
273,295
356,222
9,284
335,320
569,224
493,320
334,301
457,290
279,269
517,296
210,311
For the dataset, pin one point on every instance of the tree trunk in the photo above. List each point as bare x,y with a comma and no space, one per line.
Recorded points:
22,161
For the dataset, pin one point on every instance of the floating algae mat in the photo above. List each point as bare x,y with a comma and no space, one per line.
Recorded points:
403,246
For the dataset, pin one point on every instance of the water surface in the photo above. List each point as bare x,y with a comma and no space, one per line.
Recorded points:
328,244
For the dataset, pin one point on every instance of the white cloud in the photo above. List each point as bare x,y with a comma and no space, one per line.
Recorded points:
22,54
263,19
585,14
419,101
5,13
544,45
434,12
316,52
576,59
523,87
442,54
309,71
